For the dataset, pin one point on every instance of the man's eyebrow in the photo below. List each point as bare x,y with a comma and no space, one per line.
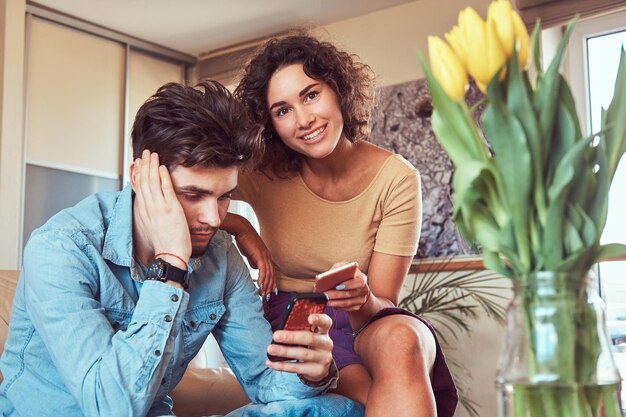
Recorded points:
198,190
194,189
300,94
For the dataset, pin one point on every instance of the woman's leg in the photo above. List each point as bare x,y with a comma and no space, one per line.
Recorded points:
398,352
354,383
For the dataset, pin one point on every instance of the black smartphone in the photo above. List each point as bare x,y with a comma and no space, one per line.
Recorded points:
297,312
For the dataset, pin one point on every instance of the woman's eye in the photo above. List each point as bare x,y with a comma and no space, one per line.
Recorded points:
311,95
281,112
192,197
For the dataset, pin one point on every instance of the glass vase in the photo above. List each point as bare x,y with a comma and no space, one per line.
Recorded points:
556,360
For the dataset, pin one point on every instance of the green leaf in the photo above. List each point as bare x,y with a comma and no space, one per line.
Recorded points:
483,226
493,262
519,103
553,233
578,261
548,86
456,131
572,241
507,239
554,228
513,161
612,250
536,47
583,223
565,170
616,119
566,132
599,201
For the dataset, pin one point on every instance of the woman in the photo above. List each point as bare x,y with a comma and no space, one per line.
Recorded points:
322,195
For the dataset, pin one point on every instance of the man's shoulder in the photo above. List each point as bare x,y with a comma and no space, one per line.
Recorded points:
88,219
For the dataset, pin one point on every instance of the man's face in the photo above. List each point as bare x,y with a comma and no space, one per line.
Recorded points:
205,195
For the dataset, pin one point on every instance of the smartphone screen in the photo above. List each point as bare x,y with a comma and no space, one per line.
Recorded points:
297,313
330,279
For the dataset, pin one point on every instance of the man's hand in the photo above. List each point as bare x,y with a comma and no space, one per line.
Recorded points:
158,217
314,355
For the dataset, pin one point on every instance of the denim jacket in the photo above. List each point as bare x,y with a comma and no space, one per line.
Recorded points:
88,337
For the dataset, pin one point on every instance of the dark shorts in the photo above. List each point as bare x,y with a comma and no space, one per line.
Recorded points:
343,351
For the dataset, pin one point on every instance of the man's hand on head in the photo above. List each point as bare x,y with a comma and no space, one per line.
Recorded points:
311,349
158,215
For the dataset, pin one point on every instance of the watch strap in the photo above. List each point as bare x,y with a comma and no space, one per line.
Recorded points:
162,270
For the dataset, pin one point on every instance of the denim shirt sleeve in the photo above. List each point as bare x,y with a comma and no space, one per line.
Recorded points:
244,335
108,373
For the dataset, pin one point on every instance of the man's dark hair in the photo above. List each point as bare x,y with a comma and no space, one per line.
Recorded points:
351,80
196,126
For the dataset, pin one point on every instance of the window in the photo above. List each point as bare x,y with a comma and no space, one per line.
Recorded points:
594,58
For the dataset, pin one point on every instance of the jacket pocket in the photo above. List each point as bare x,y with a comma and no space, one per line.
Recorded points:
198,323
119,319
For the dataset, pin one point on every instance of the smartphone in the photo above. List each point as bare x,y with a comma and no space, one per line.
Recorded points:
330,279
297,312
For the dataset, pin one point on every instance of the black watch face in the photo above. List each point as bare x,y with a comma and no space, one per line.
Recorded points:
155,270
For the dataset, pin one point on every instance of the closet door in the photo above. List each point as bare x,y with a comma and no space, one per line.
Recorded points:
146,73
83,91
74,118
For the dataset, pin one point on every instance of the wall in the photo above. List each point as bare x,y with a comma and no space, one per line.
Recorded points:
388,40
11,127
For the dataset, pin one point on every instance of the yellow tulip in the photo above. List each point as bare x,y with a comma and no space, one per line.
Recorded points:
447,68
484,52
500,12
455,40
511,30
523,40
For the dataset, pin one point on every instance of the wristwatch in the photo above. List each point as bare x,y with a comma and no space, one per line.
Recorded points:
159,270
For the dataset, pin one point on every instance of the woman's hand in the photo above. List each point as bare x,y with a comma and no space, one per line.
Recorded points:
352,294
311,348
253,248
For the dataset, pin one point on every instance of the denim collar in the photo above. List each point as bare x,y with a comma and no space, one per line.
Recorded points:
118,240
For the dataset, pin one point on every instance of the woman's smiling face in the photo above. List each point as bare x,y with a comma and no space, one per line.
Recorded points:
305,112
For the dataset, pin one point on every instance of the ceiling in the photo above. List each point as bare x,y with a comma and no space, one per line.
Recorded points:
197,27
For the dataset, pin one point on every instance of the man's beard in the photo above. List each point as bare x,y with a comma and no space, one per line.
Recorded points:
198,249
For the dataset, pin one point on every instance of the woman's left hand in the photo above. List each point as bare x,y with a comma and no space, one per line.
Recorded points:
259,257
352,294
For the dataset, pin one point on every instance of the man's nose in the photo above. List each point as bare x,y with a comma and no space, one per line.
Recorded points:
210,214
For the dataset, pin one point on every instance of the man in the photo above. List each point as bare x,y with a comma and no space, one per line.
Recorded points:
118,293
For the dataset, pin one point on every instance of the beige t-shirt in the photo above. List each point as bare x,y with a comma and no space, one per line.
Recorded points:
307,234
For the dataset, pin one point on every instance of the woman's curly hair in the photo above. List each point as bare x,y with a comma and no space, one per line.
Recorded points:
352,81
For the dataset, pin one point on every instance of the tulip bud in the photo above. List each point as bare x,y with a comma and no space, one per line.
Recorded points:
455,40
523,40
500,12
447,68
484,52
